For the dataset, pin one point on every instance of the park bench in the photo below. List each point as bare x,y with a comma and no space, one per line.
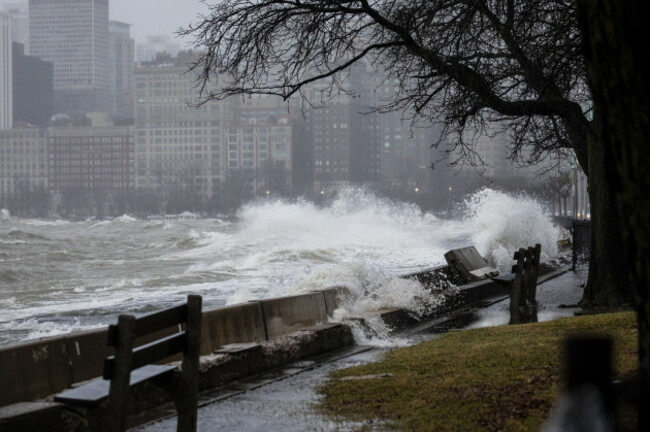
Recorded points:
467,265
522,280
130,366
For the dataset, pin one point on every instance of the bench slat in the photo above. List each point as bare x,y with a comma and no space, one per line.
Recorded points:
158,350
150,353
152,322
159,320
97,390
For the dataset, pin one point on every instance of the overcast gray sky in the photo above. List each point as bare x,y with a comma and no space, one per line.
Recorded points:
155,17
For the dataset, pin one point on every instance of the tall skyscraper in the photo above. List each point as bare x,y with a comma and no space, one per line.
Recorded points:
6,75
122,55
20,22
73,35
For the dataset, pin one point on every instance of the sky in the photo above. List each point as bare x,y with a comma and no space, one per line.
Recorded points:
155,17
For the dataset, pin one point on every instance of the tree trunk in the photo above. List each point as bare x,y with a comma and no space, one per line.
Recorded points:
615,53
607,285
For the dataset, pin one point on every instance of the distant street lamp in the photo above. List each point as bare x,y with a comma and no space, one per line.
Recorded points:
417,189
268,192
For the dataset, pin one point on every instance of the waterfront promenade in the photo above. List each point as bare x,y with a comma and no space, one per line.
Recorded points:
287,400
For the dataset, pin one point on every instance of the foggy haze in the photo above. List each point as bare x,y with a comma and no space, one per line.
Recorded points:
155,17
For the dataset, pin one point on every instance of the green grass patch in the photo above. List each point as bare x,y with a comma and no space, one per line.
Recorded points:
497,378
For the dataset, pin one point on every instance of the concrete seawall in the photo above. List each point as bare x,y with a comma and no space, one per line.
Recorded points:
35,370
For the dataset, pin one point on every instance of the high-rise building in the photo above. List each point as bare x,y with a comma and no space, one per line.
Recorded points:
178,146
20,22
122,55
344,131
6,74
33,88
73,35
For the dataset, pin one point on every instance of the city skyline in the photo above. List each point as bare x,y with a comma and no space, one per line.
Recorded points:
168,16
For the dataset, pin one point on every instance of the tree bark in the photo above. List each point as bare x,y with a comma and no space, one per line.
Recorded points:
607,285
615,34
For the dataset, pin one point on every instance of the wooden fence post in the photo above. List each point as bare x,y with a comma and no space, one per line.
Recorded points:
515,287
534,271
525,280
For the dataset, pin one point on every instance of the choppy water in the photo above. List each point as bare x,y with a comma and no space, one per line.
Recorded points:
61,276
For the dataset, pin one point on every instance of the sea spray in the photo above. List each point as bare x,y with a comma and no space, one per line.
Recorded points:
364,290
503,223
66,271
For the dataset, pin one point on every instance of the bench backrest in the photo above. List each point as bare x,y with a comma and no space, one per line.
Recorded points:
157,350
118,368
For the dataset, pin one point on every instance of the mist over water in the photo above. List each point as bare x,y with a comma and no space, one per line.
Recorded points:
60,276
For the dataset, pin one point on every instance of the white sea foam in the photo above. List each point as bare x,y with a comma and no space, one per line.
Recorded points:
502,223
35,329
38,222
124,219
98,224
120,285
242,295
368,290
274,248
12,242
9,302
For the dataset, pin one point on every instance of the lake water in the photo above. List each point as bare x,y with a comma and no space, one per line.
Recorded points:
60,276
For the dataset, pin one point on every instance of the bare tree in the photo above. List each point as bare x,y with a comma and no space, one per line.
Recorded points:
471,64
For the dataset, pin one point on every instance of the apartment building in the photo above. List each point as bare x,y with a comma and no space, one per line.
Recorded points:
23,160
178,142
260,156
90,159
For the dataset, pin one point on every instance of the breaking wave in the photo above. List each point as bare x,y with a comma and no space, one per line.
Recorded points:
273,248
503,223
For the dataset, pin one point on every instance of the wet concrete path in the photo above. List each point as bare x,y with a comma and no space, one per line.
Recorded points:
283,400
286,400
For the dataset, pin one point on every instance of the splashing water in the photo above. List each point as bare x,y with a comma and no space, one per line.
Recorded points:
77,275
503,223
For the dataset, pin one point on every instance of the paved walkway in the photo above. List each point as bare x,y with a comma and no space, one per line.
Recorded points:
286,400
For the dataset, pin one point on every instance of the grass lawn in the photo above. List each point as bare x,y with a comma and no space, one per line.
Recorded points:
498,378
